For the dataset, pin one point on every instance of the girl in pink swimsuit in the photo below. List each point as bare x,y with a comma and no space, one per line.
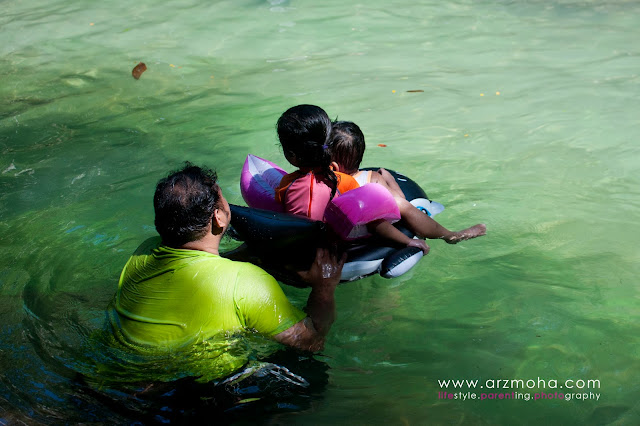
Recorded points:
304,131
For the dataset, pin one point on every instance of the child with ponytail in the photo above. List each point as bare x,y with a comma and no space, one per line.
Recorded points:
304,132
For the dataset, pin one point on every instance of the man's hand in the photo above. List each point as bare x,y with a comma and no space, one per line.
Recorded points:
324,275
325,270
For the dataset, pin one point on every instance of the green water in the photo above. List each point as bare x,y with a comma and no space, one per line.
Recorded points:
526,121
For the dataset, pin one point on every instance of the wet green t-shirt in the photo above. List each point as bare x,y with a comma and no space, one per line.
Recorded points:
171,297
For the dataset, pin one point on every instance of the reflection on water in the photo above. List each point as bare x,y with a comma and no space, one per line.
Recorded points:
521,115
101,378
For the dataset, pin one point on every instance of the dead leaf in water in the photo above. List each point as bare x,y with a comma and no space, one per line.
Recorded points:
138,70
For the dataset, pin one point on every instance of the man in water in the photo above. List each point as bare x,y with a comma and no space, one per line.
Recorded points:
176,290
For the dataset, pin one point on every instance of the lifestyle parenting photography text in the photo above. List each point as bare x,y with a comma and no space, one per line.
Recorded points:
520,389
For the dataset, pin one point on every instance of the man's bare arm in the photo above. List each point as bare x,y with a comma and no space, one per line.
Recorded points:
324,275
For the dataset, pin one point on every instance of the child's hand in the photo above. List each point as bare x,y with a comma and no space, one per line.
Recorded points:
419,244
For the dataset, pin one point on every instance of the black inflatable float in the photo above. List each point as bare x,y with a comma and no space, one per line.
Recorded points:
282,243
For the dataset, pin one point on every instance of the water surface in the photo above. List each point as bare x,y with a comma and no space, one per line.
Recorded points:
525,119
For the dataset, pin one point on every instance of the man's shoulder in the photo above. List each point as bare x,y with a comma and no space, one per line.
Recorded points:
242,270
150,243
148,246
248,270
153,252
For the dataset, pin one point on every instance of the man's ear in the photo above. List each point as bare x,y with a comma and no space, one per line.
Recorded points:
219,221
334,166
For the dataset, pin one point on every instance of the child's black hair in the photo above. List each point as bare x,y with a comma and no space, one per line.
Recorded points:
304,131
346,146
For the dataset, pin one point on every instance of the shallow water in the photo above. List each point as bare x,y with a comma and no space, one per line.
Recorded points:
526,122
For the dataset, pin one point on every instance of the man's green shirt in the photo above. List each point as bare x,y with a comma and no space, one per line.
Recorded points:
172,297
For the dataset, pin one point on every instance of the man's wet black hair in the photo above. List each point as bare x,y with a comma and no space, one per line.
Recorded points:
184,203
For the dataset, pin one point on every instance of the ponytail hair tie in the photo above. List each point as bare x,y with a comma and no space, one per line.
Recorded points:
325,147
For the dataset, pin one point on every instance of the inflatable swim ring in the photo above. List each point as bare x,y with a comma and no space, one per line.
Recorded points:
282,243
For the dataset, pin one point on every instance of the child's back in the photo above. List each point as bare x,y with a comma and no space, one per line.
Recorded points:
308,193
304,132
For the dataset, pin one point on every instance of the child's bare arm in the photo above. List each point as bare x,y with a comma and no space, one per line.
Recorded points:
386,230
383,177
